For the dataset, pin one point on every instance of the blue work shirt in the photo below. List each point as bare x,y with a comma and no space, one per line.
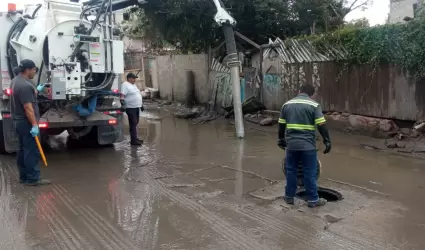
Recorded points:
23,91
301,115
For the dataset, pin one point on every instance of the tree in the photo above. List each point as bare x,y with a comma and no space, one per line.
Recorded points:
324,15
189,24
358,23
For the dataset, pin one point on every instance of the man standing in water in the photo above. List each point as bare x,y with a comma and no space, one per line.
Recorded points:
131,99
297,133
25,116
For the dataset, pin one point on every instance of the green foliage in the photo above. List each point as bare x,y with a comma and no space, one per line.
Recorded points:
189,25
185,24
399,44
358,23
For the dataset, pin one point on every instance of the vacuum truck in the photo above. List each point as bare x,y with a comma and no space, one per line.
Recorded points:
79,56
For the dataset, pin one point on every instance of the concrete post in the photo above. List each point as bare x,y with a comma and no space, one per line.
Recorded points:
232,61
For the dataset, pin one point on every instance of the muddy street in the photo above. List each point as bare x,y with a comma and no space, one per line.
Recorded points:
197,187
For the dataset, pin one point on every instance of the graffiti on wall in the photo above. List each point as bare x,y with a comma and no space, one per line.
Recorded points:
220,80
290,78
272,83
223,88
315,76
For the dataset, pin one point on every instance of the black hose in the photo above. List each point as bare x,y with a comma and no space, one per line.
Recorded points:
98,16
20,28
109,78
78,47
35,11
10,67
90,76
87,9
39,72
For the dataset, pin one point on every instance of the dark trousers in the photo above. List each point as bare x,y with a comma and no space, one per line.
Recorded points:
133,115
309,162
28,156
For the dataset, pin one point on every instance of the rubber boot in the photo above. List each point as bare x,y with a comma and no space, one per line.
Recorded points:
319,203
289,201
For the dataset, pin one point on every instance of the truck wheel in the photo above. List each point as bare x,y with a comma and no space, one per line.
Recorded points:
2,146
90,139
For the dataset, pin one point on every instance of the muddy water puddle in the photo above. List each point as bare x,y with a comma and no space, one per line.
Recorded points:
188,187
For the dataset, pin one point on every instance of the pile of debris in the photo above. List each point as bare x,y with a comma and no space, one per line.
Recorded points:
403,140
261,119
206,113
198,114
409,140
150,93
252,110
250,106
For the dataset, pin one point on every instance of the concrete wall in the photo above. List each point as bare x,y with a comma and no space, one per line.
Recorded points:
140,82
131,44
399,9
387,93
172,80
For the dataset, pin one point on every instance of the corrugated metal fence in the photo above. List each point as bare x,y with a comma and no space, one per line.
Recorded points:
387,93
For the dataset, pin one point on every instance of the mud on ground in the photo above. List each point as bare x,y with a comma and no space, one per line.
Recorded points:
197,187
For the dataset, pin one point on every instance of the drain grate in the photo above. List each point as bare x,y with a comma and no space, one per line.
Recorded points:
326,193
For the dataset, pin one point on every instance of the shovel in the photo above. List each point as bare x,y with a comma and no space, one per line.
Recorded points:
43,157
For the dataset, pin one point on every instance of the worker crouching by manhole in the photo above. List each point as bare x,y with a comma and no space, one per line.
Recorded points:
298,120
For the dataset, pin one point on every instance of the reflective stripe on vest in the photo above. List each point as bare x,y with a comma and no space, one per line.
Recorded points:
300,127
301,101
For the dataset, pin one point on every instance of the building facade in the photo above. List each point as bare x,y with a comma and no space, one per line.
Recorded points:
400,9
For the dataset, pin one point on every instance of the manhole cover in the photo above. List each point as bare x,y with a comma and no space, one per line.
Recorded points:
326,193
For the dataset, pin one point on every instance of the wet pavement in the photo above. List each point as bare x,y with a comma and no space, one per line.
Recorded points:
197,187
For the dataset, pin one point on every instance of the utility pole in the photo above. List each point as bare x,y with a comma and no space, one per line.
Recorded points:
227,22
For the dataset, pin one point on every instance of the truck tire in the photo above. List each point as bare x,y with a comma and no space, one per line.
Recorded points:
2,145
90,139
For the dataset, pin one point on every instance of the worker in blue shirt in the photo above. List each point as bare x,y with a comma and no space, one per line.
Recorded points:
298,120
25,116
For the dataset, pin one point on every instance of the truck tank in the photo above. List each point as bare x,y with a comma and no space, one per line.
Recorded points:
80,58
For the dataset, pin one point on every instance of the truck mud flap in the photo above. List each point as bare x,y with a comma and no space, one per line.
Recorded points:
108,134
11,141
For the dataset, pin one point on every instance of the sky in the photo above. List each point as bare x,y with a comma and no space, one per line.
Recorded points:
377,13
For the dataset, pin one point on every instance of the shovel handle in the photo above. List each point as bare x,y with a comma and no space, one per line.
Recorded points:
43,157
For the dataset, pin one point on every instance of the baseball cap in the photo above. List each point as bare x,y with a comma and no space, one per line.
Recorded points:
26,64
131,75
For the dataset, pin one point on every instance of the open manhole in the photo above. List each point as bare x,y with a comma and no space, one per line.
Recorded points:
326,193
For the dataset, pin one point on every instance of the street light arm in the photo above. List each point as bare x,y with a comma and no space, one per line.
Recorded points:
222,16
